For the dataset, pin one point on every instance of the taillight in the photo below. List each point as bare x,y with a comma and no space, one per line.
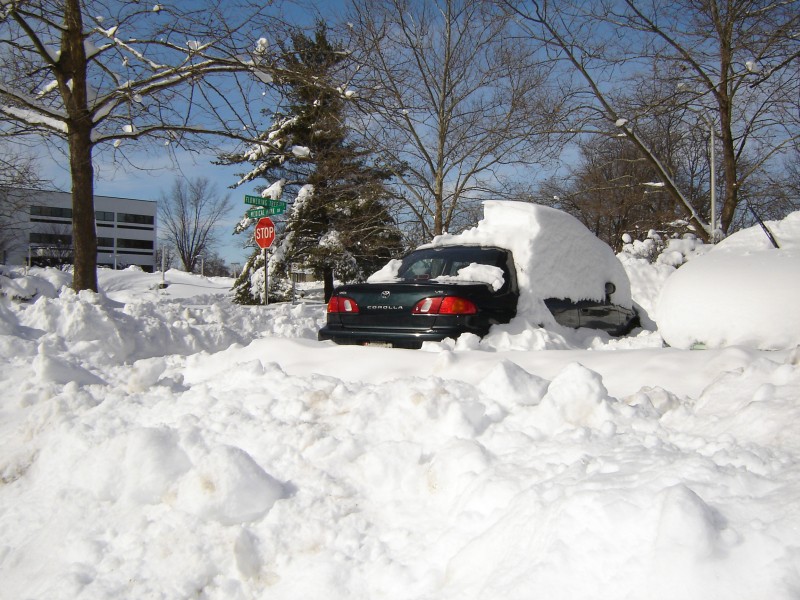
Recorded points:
342,304
453,305
445,305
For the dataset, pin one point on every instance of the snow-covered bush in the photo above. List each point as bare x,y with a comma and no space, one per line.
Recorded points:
647,249
19,288
659,249
249,286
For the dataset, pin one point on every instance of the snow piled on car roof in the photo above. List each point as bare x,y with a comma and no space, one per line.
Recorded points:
555,254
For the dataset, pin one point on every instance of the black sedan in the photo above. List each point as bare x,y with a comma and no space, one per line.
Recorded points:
432,297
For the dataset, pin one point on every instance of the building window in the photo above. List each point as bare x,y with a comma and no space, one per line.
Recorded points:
105,242
136,219
139,244
104,215
51,211
51,239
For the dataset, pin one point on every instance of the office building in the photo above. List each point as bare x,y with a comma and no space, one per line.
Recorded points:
42,232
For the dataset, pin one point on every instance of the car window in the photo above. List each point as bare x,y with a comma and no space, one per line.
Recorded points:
431,263
457,265
424,268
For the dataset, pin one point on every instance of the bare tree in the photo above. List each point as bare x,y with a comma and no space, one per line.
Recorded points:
728,67
789,189
214,266
91,75
189,216
605,192
452,101
52,247
613,189
165,255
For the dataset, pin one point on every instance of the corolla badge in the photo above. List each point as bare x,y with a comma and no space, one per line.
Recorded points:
385,294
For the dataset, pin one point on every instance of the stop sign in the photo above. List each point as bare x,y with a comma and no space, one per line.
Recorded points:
265,232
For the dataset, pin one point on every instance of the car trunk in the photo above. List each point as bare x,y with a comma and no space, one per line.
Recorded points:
391,304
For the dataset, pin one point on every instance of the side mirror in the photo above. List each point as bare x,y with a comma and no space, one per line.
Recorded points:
610,289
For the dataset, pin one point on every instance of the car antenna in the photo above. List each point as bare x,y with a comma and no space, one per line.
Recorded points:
763,225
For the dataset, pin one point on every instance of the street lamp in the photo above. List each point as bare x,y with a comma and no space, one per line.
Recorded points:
712,168
712,176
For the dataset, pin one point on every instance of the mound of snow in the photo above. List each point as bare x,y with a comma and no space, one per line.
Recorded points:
144,454
786,233
743,292
41,282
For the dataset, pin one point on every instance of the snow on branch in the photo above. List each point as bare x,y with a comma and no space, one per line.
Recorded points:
33,118
32,110
111,34
275,191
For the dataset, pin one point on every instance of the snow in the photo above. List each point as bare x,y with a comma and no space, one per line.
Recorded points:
473,272
34,118
744,291
301,151
46,89
161,442
274,191
388,273
477,273
263,76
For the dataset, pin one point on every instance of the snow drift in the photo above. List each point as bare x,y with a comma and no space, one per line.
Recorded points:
164,443
743,292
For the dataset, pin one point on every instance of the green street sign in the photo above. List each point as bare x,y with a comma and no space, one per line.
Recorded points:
257,213
277,205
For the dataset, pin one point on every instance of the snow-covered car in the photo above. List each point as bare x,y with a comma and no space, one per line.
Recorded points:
744,292
508,266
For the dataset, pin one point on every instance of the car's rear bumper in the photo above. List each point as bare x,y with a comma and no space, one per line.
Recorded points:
396,338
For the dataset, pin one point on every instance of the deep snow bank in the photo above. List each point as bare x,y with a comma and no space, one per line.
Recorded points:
130,320
743,292
226,477
144,454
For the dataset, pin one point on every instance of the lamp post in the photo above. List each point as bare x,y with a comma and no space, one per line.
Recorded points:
712,176
683,87
712,167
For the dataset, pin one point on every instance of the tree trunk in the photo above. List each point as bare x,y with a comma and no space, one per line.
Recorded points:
730,194
79,136
327,278
84,236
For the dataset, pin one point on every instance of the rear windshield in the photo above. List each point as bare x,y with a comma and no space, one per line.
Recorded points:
447,261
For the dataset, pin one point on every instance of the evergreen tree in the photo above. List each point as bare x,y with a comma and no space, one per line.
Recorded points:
337,221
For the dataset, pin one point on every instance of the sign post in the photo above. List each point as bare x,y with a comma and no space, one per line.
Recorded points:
265,235
265,228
